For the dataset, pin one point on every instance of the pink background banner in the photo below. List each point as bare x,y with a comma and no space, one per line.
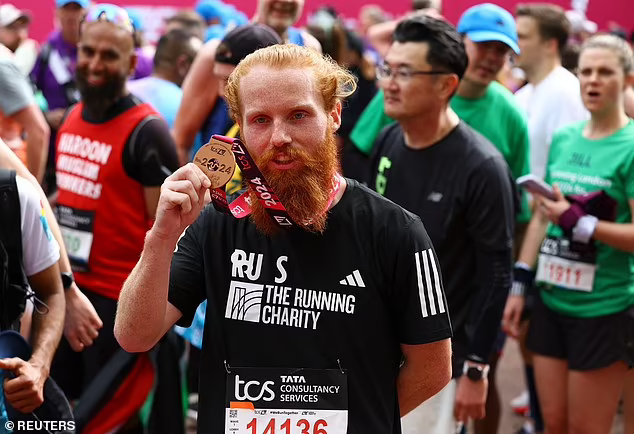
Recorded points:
603,12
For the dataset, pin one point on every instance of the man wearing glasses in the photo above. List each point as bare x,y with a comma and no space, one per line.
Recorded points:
436,166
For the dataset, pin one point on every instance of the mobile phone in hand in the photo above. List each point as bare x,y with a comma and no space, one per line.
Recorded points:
535,185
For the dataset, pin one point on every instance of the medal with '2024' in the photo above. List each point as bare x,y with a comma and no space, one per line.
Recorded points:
217,161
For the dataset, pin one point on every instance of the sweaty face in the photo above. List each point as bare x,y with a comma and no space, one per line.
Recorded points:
530,43
409,95
104,62
291,137
602,80
486,60
280,14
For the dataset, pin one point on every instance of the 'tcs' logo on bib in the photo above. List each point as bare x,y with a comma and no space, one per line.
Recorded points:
253,390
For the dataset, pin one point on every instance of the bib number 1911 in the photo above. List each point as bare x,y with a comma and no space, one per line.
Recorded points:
285,428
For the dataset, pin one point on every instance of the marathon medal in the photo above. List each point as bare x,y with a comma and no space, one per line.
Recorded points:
217,161
286,401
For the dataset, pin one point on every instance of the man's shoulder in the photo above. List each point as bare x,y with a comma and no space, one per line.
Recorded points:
475,148
560,82
506,100
366,203
390,135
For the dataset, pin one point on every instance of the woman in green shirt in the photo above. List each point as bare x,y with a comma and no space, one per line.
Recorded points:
581,243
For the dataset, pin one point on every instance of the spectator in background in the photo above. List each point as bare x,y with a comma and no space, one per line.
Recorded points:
187,20
21,117
14,34
143,59
581,28
551,99
202,111
54,73
174,55
369,15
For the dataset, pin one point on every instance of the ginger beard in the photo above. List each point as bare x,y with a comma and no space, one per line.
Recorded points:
304,191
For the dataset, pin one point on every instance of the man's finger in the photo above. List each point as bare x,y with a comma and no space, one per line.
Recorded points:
176,199
22,394
15,384
11,364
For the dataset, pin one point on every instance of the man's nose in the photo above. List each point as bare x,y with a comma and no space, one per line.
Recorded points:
280,136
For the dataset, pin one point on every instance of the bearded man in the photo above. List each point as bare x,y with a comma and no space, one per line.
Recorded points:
113,153
329,316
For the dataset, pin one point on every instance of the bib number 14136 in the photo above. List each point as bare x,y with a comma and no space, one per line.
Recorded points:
318,427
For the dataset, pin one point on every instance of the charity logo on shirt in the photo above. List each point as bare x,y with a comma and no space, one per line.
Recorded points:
275,303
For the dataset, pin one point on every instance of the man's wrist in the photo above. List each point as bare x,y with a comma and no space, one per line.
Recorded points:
475,371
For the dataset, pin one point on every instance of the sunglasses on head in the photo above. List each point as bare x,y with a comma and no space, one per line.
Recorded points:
111,14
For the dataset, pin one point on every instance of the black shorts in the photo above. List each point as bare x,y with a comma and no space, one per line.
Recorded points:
586,343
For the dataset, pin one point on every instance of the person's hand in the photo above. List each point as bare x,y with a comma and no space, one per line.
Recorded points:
553,209
54,118
471,397
25,392
183,196
82,324
512,315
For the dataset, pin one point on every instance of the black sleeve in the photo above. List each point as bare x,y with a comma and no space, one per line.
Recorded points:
490,220
187,278
418,298
150,155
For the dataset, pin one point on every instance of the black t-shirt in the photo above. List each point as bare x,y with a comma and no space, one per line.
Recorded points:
462,190
374,258
149,154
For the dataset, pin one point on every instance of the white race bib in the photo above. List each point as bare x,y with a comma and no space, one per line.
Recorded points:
286,401
565,264
77,230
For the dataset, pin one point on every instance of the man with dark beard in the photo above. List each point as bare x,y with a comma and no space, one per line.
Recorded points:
113,153
339,313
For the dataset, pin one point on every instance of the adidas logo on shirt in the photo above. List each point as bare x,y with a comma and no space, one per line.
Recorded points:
353,279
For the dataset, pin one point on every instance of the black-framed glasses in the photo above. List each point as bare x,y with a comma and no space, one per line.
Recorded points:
402,73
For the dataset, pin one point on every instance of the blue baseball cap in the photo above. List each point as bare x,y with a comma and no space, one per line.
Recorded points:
135,17
12,344
61,3
489,22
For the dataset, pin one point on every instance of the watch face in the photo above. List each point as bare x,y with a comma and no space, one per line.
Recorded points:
474,374
67,280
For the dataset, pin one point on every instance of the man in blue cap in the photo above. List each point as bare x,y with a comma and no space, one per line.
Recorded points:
54,72
462,190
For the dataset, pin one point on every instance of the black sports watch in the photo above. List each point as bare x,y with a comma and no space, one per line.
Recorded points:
67,279
475,372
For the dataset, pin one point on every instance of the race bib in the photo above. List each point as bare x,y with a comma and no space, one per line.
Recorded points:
286,401
77,231
563,266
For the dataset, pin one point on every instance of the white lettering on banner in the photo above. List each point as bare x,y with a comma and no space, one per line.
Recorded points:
79,186
85,148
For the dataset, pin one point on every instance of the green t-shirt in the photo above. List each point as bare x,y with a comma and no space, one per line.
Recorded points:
507,130
579,166
497,117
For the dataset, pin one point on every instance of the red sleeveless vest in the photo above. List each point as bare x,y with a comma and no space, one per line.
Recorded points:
101,210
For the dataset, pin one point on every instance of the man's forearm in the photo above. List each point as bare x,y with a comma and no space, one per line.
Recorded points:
494,275
47,328
143,300
37,153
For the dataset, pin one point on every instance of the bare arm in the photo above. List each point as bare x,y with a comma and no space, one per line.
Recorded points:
82,322
380,36
426,371
143,312
37,136
200,91
47,328
617,235
151,196
535,233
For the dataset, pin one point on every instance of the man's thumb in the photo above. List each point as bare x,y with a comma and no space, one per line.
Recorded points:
10,364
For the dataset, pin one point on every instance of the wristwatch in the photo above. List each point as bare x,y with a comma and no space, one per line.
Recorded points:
67,279
475,372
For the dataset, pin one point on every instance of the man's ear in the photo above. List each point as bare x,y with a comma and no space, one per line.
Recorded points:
449,85
133,62
335,115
